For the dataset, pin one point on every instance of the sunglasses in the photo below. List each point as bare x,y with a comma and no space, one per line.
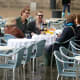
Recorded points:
40,15
27,12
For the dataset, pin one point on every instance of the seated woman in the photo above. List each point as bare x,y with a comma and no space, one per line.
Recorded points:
77,29
69,21
11,28
67,33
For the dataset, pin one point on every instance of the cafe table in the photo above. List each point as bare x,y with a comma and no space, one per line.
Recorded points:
17,43
50,39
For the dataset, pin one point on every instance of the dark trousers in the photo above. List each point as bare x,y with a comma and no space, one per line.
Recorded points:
48,53
66,6
51,49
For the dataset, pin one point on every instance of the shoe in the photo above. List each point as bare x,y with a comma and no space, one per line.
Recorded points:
63,14
69,13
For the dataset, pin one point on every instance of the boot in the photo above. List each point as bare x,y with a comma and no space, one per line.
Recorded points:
68,13
63,14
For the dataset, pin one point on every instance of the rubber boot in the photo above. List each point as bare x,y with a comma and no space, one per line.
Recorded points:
63,14
68,13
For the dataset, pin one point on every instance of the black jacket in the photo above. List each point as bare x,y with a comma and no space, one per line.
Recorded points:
77,32
66,1
21,26
32,27
66,34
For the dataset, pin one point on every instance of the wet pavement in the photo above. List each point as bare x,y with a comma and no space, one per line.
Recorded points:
41,72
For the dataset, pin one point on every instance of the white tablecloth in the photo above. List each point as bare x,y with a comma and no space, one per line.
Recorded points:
5,48
16,43
48,37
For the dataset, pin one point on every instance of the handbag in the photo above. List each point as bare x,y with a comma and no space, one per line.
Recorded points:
14,30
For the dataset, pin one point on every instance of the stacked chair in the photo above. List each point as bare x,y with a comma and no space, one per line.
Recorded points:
13,64
5,38
75,48
38,51
65,43
23,54
62,71
67,55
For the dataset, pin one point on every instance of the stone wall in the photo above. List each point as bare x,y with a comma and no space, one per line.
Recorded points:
75,4
39,3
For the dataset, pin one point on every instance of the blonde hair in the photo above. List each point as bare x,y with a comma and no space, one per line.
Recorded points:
78,18
71,18
10,21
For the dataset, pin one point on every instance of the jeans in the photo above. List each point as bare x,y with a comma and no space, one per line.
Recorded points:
66,6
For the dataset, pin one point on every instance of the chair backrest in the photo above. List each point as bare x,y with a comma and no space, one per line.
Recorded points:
40,48
28,53
2,22
8,36
67,56
1,17
59,61
75,40
65,52
19,56
65,43
75,47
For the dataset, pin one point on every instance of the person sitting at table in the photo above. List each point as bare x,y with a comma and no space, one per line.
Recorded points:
77,30
70,20
38,23
30,18
22,22
11,28
67,33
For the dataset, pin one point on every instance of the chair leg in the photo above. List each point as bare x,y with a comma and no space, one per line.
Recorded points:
18,74
13,74
61,78
21,69
51,61
24,71
33,64
73,78
5,75
58,77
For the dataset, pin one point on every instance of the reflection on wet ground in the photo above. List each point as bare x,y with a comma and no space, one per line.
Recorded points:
42,73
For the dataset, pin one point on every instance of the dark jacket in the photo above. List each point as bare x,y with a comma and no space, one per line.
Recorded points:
32,27
21,26
66,34
77,32
66,2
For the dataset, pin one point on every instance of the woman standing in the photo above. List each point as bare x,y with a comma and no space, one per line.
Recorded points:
66,5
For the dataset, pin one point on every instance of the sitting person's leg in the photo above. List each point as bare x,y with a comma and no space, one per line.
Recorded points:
48,53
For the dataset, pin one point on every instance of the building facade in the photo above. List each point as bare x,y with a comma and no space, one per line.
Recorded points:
37,3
